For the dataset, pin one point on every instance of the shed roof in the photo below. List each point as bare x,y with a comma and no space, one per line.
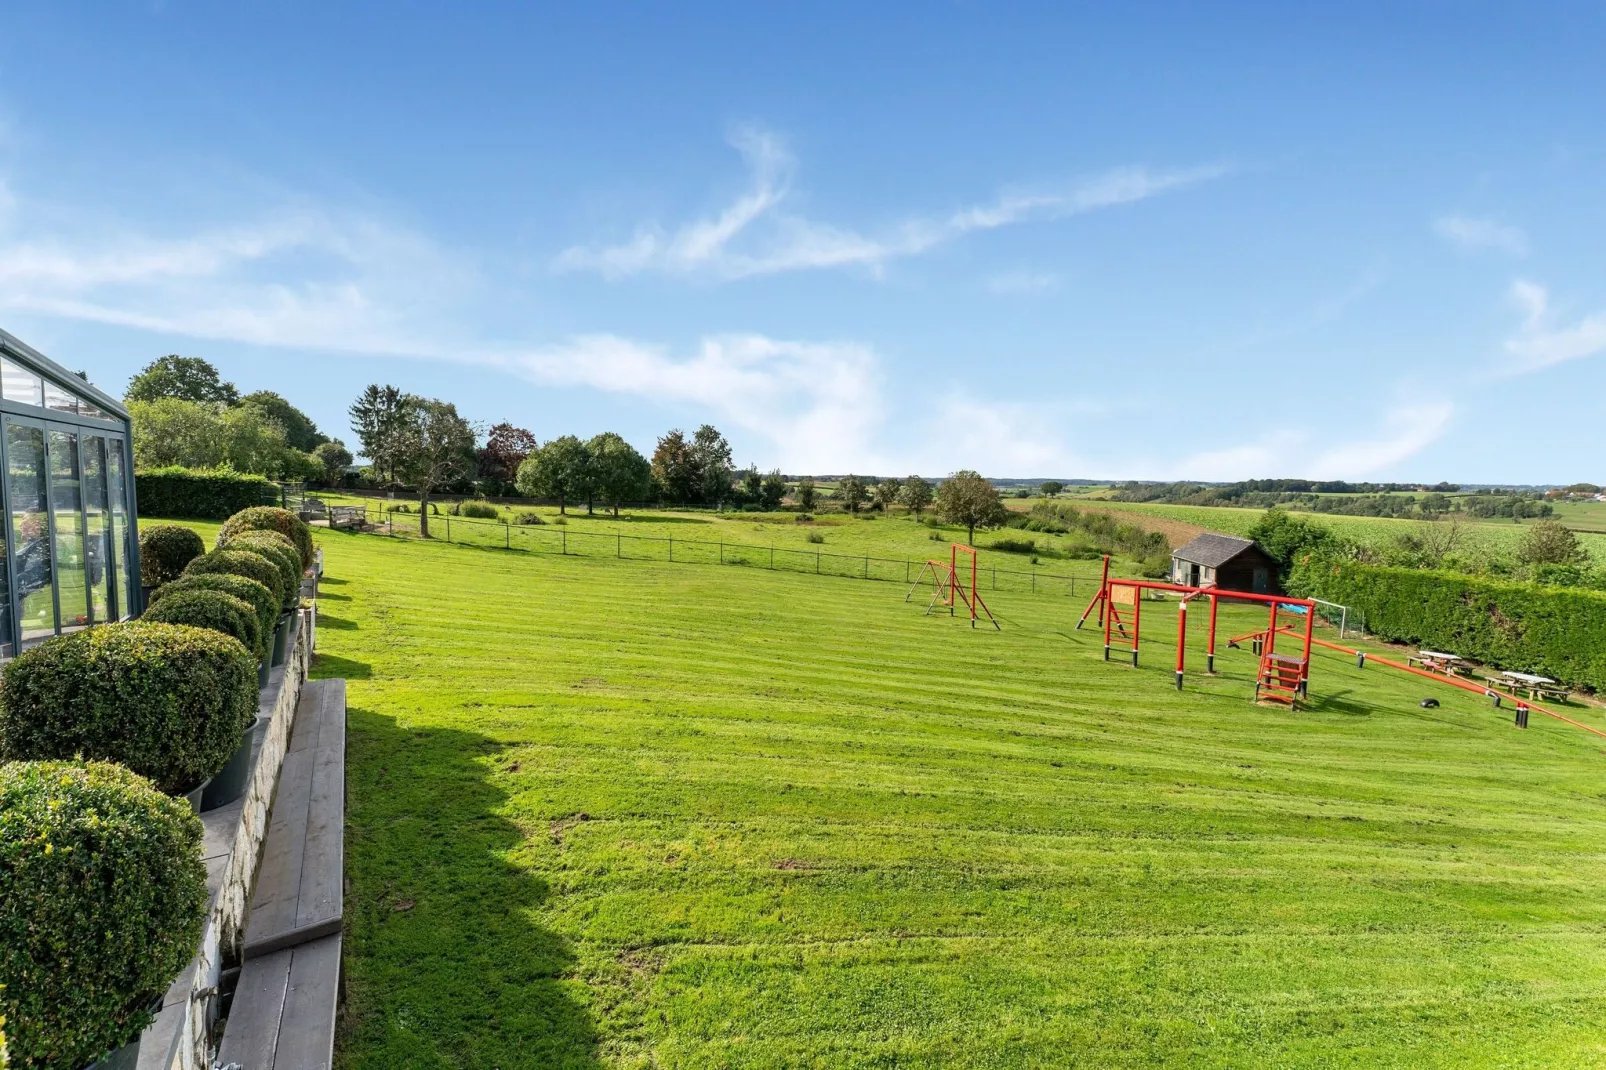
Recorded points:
1212,550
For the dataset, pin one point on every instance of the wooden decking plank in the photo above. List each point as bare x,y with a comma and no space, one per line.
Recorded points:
321,891
252,1035
307,1032
275,901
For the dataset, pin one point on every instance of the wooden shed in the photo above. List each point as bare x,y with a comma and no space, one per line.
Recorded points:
1224,561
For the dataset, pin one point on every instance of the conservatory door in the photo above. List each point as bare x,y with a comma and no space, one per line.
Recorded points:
33,589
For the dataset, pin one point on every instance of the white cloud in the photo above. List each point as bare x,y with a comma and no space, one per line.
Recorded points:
755,235
818,403
1539,344
1475,234
1024,282
1406,430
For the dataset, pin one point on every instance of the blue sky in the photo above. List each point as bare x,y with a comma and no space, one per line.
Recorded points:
1132,241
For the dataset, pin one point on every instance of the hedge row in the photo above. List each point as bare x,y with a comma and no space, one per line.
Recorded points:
1556,632
198,494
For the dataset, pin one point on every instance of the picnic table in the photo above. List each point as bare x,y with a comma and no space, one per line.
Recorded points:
1536,686
1438,661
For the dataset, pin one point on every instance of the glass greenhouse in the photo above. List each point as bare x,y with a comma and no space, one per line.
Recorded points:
72,557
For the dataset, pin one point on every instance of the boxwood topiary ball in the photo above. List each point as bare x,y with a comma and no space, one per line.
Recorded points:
164,550
269,518
241,563
211,609
167,700
102,898
262,600
275,548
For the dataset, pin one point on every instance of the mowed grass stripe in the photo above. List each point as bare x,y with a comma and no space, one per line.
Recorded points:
624,813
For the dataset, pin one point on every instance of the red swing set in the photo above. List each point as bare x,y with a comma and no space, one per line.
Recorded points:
1282,678
950,587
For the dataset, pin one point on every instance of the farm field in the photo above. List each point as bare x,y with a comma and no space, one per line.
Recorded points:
629,814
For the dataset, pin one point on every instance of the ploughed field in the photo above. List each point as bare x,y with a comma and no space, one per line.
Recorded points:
629,813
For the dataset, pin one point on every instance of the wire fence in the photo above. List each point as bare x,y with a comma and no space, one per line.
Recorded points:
556,539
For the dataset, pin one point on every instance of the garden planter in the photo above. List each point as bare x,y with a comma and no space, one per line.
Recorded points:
281,637
124,1058
263,668
145,596
231,781
194,797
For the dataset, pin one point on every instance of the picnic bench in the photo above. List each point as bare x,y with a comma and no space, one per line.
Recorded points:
282,1016
1536,687
1438,661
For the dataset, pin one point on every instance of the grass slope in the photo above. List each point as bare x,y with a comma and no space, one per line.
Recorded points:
631,814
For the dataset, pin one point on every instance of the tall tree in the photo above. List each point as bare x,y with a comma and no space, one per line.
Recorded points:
433,446
618,472
713,458
916,494
850,492
505,449
886,493
806,493
335,458
560,469
184,378
774,490
752,485
1550,542
674,466
299,430
378,418
966,498
1051,487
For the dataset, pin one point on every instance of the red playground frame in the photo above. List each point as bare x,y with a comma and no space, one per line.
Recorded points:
945,576
1282,678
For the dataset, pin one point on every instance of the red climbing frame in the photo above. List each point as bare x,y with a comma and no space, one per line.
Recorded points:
1282,678
950,588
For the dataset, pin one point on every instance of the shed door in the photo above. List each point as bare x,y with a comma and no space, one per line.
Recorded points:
1262,581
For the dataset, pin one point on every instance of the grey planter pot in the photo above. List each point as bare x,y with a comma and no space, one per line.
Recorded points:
281,639
263,668
194,797
231,781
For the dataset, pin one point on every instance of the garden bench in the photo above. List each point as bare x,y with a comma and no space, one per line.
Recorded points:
283,1012
347,516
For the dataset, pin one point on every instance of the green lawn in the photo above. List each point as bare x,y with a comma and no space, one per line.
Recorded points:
611,813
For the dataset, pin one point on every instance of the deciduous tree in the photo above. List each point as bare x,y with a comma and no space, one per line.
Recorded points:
433,446
560,469
886,493
851,493
774,490
713,458
498,460
618,472
674,466
966,498
335,458
184,378
1550,542
806,493
299,430
916,494
1051,487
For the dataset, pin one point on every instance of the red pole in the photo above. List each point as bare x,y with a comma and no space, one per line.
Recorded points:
1210,652
973,588
1270,644
1137,622
1182,638
1109,619
1104,586
1310,623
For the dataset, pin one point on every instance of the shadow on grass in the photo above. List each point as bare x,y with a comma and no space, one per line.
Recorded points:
328,666
335,624
1340,702
444,963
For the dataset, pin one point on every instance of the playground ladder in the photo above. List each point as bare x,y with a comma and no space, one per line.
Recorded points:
1281,678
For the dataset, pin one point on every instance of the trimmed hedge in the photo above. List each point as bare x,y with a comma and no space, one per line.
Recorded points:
164,550
1552,631
268,518
215,610
198,493
277,549
242,563
255,594
166,700
102,899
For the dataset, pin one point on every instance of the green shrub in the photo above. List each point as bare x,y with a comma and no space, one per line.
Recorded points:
398,507
215,610
815,537
164,550
560,520
1556,632
102,899
166,700
242,563
277,549
481,511
262,601
198,493
804,518
268,518
1013,546
528,518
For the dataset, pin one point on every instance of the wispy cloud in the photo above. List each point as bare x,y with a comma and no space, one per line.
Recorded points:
1024,282
1539,343
1478,234
756,235
1405,431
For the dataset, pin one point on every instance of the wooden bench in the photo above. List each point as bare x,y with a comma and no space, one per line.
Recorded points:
283,1012
347,516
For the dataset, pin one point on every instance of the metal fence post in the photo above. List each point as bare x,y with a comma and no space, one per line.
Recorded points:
565,535
722,552
671,547
619,549
507,536
448,527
